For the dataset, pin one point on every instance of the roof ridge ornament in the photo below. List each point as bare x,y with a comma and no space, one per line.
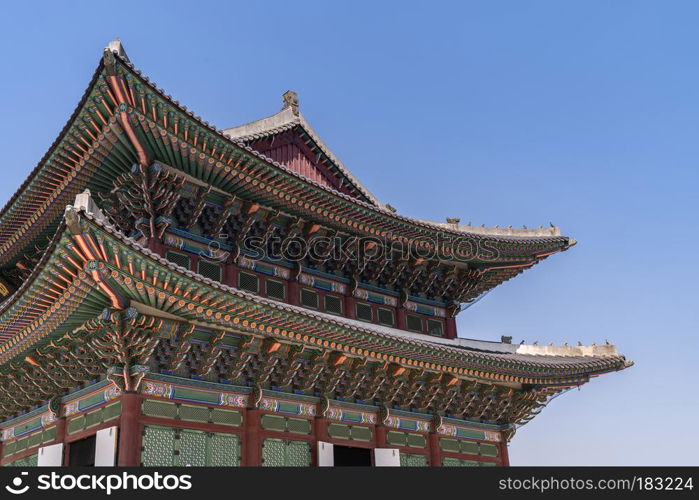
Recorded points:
115,46
83,201
291,100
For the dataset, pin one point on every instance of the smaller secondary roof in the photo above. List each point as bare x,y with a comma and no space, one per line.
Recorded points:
289,118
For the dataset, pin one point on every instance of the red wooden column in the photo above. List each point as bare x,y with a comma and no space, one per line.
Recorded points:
401,323
504,451
130,430
320,433
293,292
156,245
61,434
435,455
252,444
225,269
380,436
320,429
450,327
230,276
349,306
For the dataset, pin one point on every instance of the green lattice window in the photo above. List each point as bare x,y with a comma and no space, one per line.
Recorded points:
209,270
178,258
164,409
94,417
190,449
191,413
363,311
385,316
434,327
9,448
224,450
158,446
353,432
48,435
226,417
414,323
309,299
417,440
469,447
489,450
448,444
339,431
30,461
275,289
411,460
285,424
248,282
166,446
283,453
397,438
273,423
457,462
333,304
194,413
34,440
360,433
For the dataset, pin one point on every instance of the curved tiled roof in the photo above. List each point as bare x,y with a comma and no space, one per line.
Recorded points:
17,203
487,360
606,359
287,119
502,233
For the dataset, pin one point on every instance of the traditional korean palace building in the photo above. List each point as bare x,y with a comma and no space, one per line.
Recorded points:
175,294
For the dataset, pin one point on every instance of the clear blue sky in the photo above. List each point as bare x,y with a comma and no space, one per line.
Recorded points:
581,113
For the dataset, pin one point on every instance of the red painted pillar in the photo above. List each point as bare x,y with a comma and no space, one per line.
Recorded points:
293,292
320,433
156,245
380,436
450,328
435,455
130,430
61,434
252,444
231,275
320,429
349,307
400,319
225,269
504,451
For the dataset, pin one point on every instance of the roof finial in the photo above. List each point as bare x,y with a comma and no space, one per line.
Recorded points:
291,100
116,46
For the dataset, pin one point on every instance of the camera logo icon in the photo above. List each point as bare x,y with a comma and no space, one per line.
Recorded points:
16,488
